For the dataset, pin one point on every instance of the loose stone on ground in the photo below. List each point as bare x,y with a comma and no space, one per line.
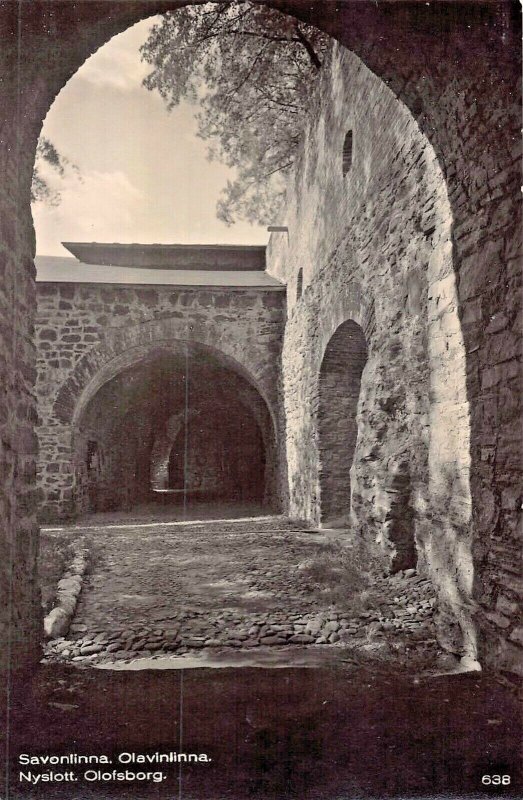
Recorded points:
169,591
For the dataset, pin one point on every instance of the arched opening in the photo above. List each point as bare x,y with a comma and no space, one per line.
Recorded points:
339,391
174,428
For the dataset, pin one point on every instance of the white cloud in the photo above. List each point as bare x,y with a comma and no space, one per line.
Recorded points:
103,206
143,174
119,65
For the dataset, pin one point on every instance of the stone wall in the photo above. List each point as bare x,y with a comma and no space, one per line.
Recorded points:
20,613
88,335
457,68
374,246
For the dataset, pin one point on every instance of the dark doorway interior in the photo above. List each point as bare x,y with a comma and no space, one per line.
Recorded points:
177,428
220,454
339,391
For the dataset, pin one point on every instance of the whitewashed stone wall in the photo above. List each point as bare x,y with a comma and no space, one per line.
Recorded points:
374,246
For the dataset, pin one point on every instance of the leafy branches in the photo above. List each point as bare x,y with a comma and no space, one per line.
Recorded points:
252,70
48,164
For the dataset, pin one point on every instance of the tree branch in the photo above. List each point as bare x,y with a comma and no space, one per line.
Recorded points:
293,108
261,35
278,169
246,77
313,56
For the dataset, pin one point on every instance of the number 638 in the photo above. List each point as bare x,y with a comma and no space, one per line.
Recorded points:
495,780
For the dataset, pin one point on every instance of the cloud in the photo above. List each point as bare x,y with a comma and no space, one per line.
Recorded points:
142,174
118,65
102,206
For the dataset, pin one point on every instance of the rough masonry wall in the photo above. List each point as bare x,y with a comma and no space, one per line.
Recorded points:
20,612
20,623
463,86
375,247
87,334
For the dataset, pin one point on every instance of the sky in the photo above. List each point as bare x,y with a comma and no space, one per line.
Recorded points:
143,175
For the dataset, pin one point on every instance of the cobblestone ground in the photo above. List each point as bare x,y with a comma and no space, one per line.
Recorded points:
170,589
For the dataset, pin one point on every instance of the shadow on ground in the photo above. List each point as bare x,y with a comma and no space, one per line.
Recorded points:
172,511
313,734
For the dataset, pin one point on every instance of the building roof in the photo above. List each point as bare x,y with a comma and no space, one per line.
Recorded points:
61,269
220,257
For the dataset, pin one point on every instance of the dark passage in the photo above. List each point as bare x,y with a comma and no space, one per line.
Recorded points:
220,455
175,428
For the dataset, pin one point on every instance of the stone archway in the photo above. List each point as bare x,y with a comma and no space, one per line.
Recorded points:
67,393
469,71
123,346
339,392
134,411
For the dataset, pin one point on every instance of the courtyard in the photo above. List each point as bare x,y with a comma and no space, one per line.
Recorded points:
242,640
212,588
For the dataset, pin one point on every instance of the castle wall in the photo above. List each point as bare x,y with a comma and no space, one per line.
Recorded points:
377,246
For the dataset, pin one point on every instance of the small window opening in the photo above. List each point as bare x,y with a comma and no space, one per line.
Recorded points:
347,153
92,453
299,284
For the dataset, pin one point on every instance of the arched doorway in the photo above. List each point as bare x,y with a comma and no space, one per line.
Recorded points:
339,391
178,426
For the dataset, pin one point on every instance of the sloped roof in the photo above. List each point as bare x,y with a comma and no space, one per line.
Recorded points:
221,257
68,270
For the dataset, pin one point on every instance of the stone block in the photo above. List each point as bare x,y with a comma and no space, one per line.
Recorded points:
517,636
67,602
302,638
497,619
91,649
71,585
56,623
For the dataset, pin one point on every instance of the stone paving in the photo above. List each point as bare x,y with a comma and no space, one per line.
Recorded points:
162,590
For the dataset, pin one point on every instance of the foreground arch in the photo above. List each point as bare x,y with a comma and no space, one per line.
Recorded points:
468,72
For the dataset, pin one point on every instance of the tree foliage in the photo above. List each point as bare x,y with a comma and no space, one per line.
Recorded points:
252,70
48,163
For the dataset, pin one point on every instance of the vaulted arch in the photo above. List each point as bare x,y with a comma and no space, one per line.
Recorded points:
175,406
126,345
